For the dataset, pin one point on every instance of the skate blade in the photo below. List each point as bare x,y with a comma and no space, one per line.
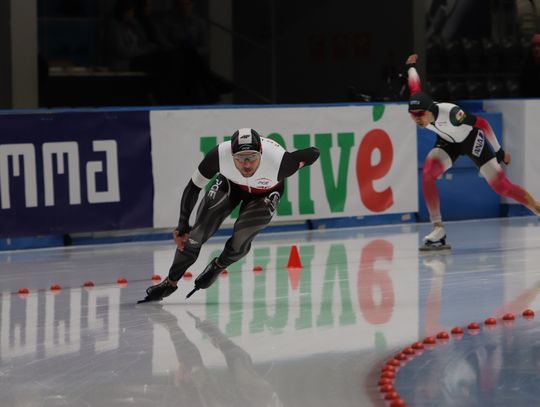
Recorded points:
146,300
430,248
192,292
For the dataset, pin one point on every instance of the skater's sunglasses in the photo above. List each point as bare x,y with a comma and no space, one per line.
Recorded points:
418,113
244,157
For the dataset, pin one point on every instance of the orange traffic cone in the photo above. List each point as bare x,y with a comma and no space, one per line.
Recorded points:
294,267
294,259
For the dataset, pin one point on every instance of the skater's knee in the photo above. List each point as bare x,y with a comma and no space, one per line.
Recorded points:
182,261
190,253
232,253
431,170
195,240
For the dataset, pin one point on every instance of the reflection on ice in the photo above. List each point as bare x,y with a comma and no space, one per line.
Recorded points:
308,337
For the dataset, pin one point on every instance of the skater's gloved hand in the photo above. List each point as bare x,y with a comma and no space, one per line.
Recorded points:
183,227
180,236
503,156
272,201
411,60
507,158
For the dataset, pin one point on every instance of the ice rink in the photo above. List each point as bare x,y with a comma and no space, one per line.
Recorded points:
309,337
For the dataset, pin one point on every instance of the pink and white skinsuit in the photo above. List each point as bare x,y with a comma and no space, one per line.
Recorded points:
461,133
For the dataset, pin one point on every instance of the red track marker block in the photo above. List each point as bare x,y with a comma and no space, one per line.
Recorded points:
508,317
442,335
23,292
528,313
391,395
417,346
429,340
88,284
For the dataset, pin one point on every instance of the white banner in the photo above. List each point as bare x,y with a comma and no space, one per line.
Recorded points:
367,166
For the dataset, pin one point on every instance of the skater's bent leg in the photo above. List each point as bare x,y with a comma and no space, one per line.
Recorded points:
499,182
216,205
254,217
200,233
436,163
255,214
182,261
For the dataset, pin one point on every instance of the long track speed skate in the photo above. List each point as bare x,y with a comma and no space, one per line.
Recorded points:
207,277
435,241
158,292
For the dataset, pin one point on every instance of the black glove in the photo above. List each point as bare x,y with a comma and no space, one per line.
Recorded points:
183,227
272,201
500,155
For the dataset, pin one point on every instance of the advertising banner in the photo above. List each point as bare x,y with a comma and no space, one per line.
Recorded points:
74,172
367,164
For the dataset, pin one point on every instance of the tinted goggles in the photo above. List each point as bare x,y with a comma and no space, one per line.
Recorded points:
418,113
246,157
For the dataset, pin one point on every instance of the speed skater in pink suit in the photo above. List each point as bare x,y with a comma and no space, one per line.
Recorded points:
458,133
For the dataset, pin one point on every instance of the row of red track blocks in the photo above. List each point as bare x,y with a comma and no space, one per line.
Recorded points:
390,369
294,265
56,288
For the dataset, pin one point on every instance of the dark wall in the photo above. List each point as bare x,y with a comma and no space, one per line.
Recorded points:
321,48
5,55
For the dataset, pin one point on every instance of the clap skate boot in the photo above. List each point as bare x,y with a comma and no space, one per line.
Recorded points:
436,240
207,277
159,291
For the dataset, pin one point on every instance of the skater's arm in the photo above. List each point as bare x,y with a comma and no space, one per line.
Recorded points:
485,127
189,199
208,167
459,117
413,79
292,162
